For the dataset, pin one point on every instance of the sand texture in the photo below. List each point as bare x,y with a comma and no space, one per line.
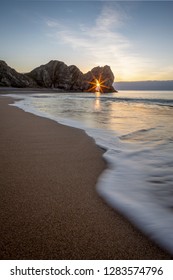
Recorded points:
49,208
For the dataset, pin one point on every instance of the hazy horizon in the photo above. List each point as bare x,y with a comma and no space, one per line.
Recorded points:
144,85
132,37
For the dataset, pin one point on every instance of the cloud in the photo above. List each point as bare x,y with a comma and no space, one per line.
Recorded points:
111,16
52,23
103,43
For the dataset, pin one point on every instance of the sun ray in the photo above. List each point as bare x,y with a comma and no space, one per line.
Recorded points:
97,84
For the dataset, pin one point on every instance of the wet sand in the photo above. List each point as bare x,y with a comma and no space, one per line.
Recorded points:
48,203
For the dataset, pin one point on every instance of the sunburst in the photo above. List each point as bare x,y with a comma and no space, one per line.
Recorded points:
97,84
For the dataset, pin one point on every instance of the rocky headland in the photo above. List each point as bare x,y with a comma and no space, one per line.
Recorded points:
56,74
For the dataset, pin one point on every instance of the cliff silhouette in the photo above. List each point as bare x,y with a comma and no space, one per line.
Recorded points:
56,74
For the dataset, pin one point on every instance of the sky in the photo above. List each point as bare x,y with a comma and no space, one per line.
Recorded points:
133,37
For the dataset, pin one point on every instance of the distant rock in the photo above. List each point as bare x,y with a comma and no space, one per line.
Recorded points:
11,78
56,74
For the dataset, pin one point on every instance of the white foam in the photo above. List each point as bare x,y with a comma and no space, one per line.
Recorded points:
123,184
125,189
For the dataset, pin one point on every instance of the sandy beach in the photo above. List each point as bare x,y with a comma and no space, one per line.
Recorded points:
48,203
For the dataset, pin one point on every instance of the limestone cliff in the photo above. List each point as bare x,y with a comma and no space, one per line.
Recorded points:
102,74
11,78
56,74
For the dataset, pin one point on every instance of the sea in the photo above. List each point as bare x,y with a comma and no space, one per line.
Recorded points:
135,129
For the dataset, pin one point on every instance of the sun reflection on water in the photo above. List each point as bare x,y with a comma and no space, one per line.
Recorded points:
97,104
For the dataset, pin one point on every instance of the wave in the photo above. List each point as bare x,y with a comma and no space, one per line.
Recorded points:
114,97
109,97
136,133
158,102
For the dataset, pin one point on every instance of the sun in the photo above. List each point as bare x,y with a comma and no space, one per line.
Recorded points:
97,85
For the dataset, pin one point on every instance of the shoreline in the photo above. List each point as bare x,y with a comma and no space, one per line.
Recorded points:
49,213
39,89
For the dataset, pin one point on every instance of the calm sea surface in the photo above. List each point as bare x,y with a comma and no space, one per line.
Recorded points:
136,129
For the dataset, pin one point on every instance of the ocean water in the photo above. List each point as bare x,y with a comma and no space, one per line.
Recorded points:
136,130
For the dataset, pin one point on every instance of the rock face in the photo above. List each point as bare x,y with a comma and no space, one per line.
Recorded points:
11,78
102,74
57,74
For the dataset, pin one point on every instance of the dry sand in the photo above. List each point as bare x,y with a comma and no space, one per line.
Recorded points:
49,208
